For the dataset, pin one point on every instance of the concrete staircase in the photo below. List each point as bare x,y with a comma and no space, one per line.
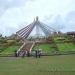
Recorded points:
26,47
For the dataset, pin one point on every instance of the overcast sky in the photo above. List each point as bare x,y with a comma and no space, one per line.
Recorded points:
16,14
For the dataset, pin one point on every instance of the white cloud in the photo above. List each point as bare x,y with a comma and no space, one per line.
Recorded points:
15,12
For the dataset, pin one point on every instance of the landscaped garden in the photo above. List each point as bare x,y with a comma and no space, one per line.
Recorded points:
60,44
8,47
66,46
9,51
47,48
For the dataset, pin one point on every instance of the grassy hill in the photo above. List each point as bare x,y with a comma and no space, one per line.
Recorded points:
60,44
8,47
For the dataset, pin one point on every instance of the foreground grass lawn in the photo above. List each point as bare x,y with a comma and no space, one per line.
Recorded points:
46,65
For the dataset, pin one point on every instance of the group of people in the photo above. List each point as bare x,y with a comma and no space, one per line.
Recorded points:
28,54
38,53
22,53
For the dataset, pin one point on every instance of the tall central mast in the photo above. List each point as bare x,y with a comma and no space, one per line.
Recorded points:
36,19
37,28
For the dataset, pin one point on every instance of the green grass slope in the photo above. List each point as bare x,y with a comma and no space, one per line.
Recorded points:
66,47
9,51
47,48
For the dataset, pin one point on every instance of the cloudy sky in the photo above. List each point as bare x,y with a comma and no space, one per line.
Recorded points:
15,14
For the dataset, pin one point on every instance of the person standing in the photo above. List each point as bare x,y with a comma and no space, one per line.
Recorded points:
36,53
28,54
39,53
24,53
16,54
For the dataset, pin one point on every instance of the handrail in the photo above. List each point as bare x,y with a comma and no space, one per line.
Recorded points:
20,48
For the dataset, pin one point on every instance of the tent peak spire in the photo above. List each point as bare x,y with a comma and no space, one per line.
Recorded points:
36,18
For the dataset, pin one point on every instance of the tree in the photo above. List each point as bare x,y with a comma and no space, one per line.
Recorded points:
0,35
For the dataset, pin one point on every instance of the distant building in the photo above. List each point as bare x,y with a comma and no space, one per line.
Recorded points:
71,33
